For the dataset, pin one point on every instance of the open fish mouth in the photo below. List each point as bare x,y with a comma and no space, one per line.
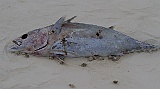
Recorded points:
17,42
14,46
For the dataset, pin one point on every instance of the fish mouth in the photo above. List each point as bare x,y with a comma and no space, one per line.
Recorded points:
17,42
14,46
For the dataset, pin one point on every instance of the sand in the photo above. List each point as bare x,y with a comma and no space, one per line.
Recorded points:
139,19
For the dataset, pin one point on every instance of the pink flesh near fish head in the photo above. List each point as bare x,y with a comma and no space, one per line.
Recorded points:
31,41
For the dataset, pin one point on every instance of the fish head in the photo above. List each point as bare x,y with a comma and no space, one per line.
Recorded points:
30,42
34,41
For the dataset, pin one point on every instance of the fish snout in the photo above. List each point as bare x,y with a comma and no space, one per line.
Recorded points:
14,46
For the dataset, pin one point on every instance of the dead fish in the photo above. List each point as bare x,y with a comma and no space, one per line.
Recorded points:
68,39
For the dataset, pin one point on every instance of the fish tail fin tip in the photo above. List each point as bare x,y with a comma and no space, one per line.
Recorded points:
151,48
152,42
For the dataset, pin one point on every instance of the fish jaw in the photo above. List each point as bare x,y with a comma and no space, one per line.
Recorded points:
16,48
11,47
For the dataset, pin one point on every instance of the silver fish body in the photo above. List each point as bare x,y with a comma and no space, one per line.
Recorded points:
88,40
65,38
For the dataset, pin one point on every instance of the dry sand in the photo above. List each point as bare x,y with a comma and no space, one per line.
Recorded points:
139,19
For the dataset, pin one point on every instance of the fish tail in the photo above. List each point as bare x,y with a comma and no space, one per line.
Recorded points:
150,47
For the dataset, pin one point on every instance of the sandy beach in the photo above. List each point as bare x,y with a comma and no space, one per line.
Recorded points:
139,19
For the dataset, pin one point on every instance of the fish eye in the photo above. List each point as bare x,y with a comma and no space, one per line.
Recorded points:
24,36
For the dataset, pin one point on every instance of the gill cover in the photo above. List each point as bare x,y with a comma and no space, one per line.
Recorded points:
43,37
46,37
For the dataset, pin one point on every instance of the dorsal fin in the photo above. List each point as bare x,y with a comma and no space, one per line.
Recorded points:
57,26
69,20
